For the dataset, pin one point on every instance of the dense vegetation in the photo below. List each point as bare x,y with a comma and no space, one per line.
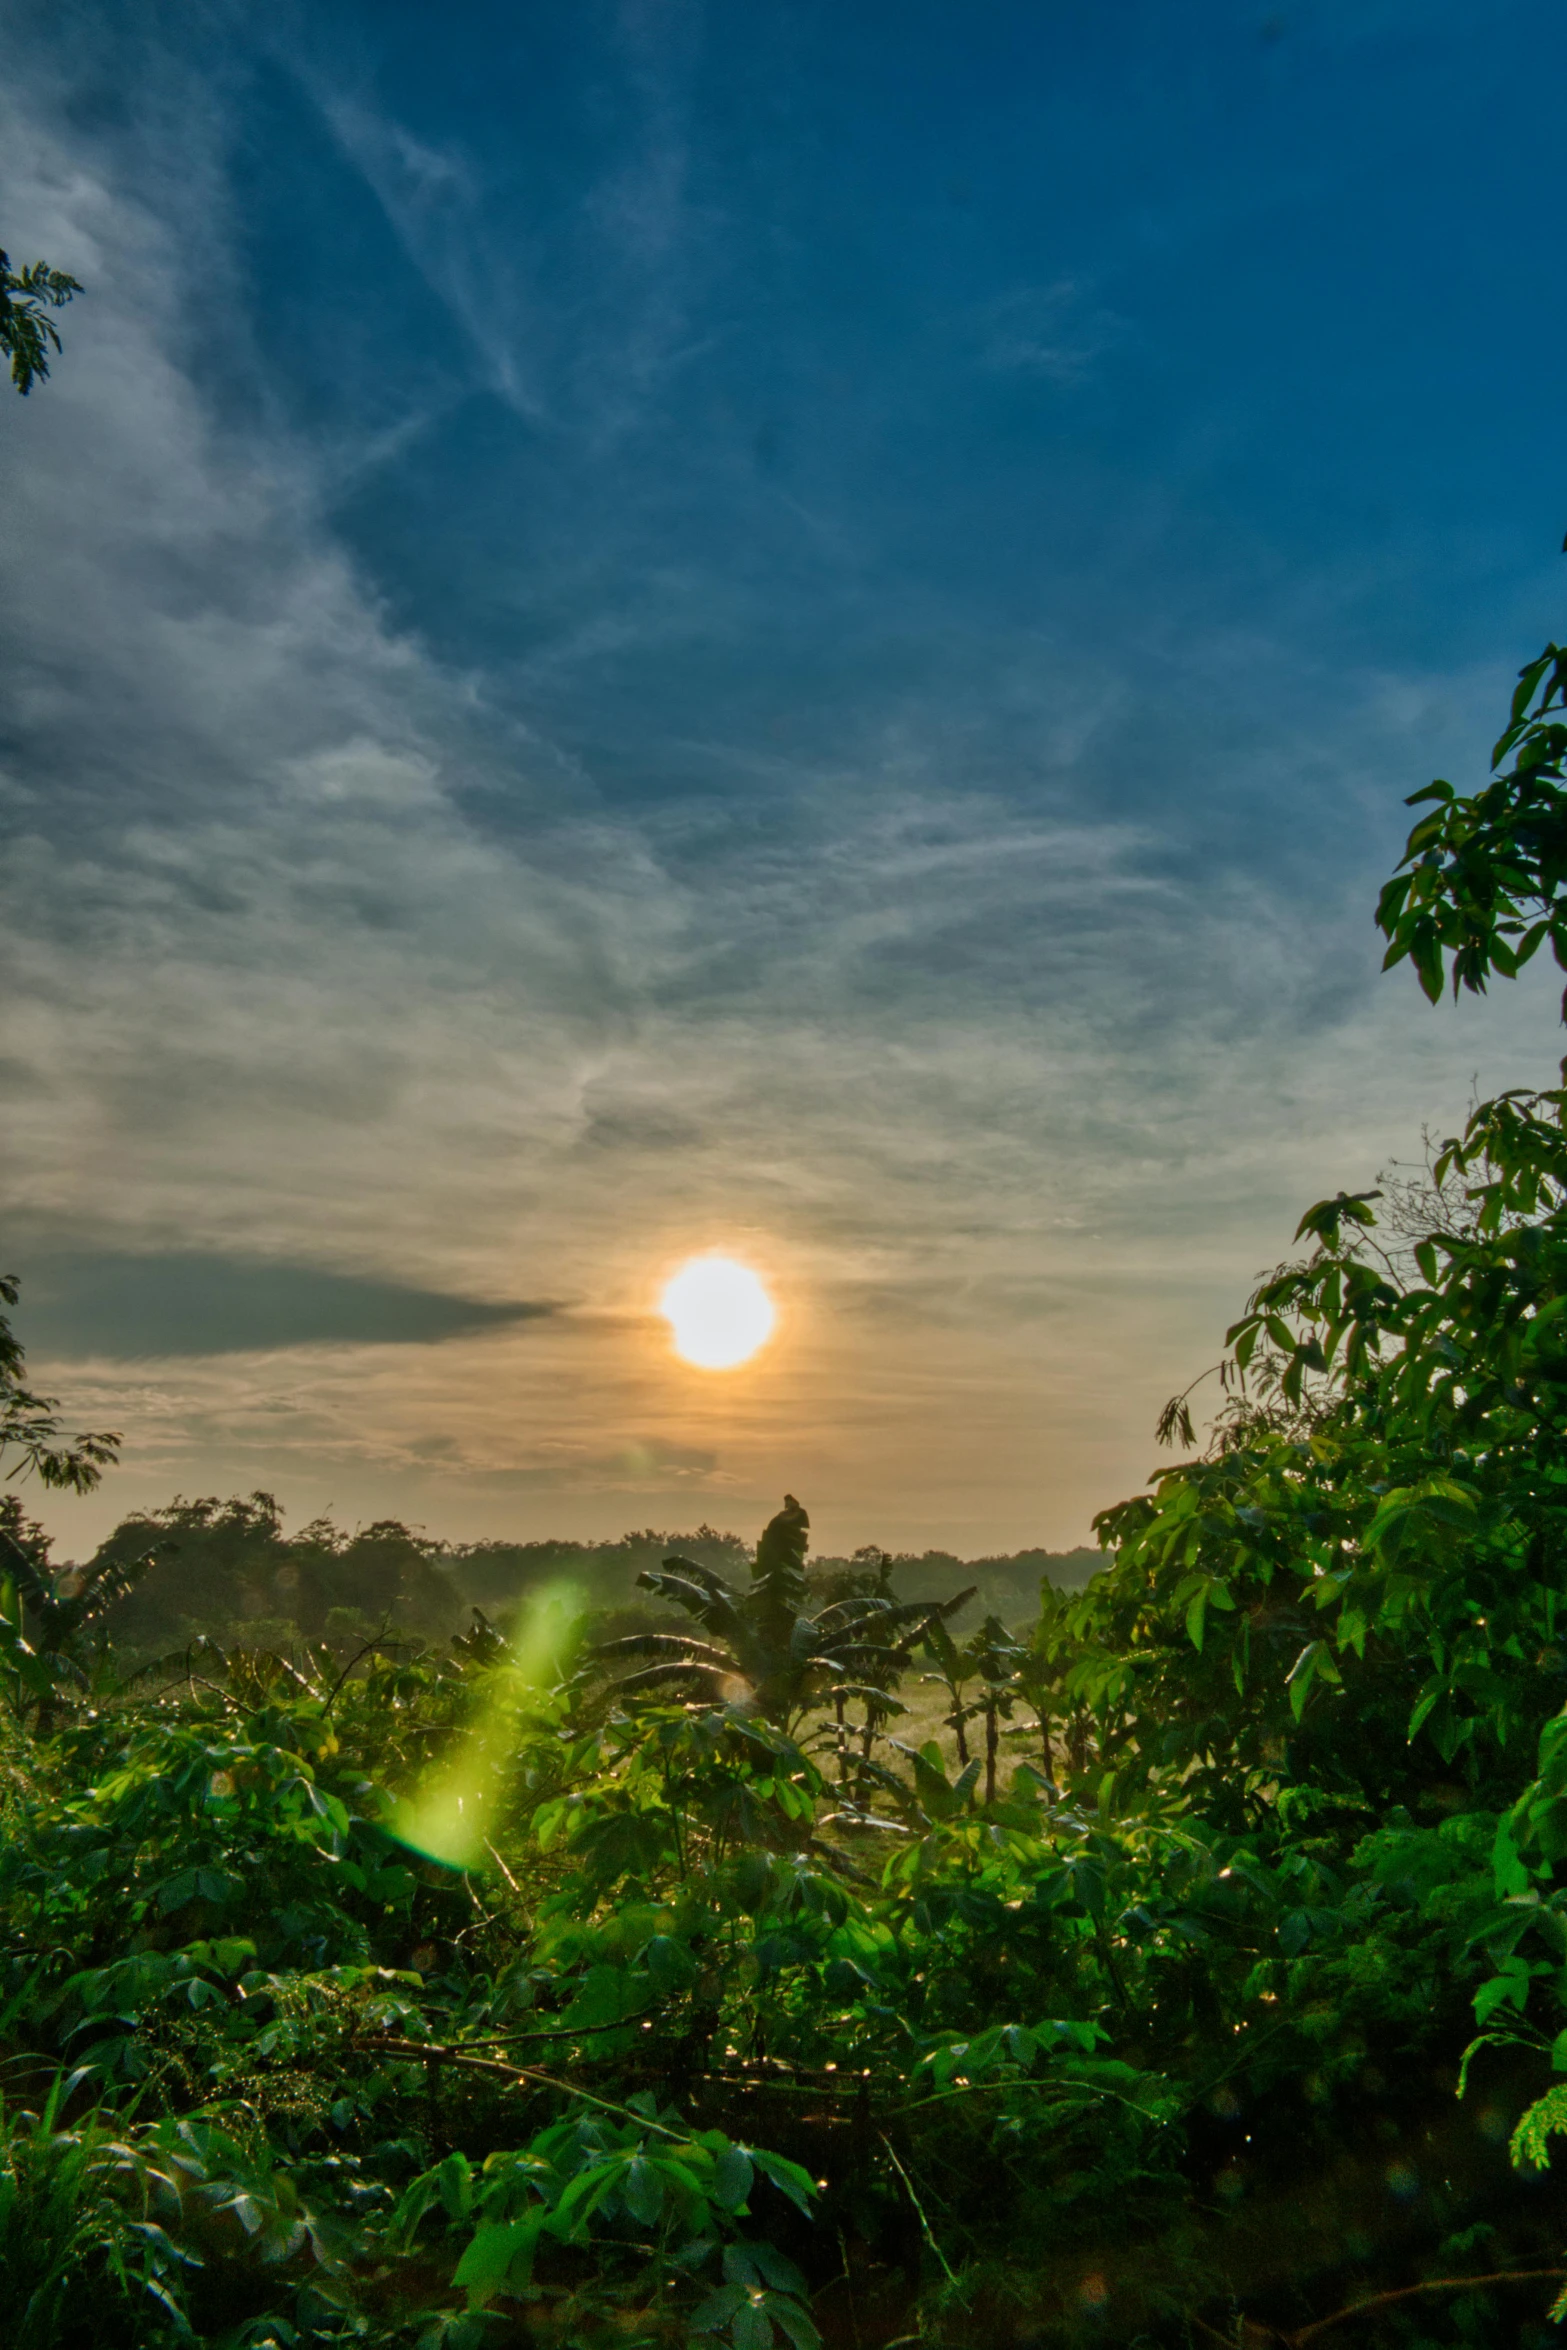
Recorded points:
1195,1970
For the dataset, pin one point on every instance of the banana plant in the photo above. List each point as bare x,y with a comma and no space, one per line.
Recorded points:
1000,1664
763,1651
999,1660
954,1671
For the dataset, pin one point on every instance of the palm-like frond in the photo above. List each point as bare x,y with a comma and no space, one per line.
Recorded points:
909,1616
104,1586
30,1580
709,1578
659,1676
805,1641
671,1645
63,1605
711,1601
854,1614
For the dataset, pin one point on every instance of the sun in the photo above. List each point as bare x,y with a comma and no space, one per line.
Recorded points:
719,1313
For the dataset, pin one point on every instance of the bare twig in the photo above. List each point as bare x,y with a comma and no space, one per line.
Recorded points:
926,2229
376,1640
557,2032
1212,2332
431,2052
1504,2276
1296,2338
501,1865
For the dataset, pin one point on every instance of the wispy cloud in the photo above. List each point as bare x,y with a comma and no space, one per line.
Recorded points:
433,198
1056,331
577,323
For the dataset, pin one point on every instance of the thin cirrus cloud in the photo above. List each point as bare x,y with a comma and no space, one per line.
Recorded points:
657,690
1052,331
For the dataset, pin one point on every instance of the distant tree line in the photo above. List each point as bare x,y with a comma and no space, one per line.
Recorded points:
229,1569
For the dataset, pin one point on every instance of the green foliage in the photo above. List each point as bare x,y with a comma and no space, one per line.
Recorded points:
31,1432
1530,2140
42,1615
1368,1562
27,332
592,2092
1481,879
613,2182
83,2253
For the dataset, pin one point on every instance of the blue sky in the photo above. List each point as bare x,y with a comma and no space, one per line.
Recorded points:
792,627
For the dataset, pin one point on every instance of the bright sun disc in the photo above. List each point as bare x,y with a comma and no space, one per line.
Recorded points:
719,1312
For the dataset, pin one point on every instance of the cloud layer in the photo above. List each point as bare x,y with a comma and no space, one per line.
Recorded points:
447,862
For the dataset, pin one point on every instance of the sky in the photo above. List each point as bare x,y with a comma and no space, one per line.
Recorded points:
631,627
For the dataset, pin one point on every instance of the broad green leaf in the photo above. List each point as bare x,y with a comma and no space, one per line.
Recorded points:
786,2176
717,2310
643,2190
752,2328
1196,1618
733,2172
793,2319
454,2185
497,2255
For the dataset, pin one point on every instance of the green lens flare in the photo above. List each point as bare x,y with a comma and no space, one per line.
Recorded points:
455,1813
